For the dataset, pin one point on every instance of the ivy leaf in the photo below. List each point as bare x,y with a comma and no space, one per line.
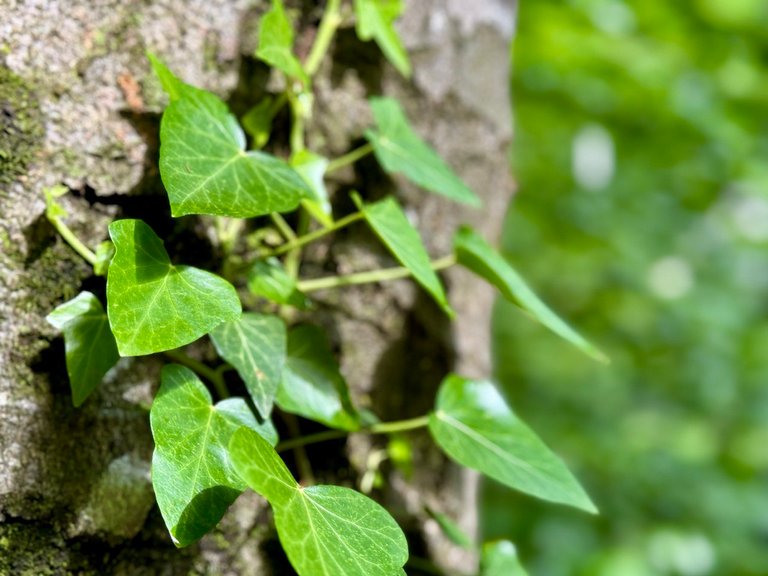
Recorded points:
170,83
257,122
500,559
268,279
473,425
474,253
154,305
375,20
192,473
400,150
391,225
325,530
312,384
276,43
104,253
312,168
206,170
255,345
90,347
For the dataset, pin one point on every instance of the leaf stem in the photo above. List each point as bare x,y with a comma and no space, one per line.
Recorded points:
349,158
381,275
283,226
215,377
73,240
329,23
312,236
297,123
381,428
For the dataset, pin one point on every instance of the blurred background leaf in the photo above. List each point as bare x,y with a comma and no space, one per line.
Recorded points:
641,152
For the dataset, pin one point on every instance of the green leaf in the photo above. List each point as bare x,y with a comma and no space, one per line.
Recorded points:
276,43
375,21
257,122
400,150
90,347
500,559
206,170
171,84
473,425
154,305
268,279
312,384
192,473
473,252
325,530
104,253
391,225
312,168
255,345
261,468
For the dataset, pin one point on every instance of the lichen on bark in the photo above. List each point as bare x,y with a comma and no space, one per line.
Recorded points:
21,128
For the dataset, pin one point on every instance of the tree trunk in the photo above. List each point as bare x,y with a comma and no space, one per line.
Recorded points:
80,107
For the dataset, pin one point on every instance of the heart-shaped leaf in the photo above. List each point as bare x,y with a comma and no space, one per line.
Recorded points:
325,530
391,225
312,384
154,305
268,279
473,252
375,20
312,168
206,170
171,84
500,559
192,474
474,425
90,347
255,345
276,43
400,150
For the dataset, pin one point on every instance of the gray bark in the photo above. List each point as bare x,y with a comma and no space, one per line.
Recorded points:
80,107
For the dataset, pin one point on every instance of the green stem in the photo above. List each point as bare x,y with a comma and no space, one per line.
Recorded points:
399,425
283,226
349,158
381,428
381,275
312,236
215,377
306,474
329,23
297,124
73,240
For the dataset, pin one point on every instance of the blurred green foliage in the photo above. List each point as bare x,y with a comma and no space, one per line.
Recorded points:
641,151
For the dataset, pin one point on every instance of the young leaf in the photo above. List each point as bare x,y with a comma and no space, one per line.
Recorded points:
312,167
206,170
192,474
312,384
255,345
473,425
90,347
475,254
375,21
268,279
171,84
325,530
500,559
257,122
276,43
391,225
154,305
104,253
400,150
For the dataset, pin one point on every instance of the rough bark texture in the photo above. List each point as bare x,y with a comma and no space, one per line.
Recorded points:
79,106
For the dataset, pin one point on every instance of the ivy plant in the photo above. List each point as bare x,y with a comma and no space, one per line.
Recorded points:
207,453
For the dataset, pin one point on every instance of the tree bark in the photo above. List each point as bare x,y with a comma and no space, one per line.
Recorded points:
80,107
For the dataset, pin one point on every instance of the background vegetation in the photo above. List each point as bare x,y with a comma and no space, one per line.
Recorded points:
641,150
